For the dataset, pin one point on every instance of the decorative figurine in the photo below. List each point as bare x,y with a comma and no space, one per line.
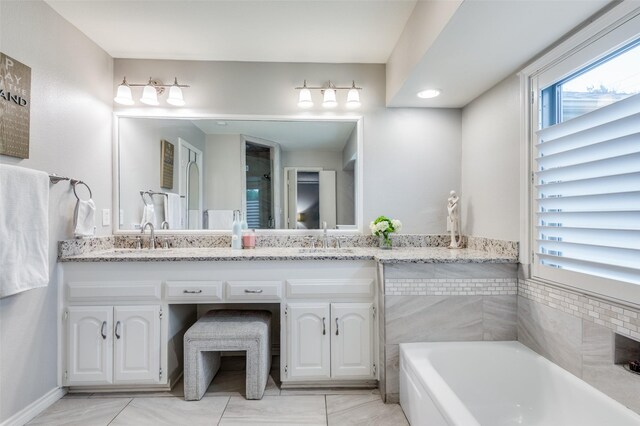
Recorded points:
453,220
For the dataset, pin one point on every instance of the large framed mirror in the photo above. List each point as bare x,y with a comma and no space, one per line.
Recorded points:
283,174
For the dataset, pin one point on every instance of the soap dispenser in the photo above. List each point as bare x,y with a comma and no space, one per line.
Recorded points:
236,231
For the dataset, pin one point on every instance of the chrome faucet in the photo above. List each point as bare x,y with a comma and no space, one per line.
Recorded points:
325,237
152,237
164,225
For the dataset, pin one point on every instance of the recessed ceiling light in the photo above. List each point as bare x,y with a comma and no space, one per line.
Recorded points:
429,93
221,123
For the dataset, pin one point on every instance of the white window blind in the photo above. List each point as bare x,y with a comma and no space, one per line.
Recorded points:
587,194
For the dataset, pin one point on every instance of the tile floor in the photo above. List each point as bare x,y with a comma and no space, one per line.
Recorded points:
224,404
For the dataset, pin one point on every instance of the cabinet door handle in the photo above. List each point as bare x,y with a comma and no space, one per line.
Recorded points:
337,327
324,327
117,332
192,291
103,330
246,290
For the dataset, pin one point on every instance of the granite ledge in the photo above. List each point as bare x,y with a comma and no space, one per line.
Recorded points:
397,255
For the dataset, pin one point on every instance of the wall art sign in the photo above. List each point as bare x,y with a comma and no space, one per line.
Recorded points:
15,107
166,164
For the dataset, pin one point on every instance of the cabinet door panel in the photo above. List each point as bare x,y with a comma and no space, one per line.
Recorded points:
137,344
89,345
351,340
309,351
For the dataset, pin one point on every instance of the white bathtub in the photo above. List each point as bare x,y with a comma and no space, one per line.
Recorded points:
498,383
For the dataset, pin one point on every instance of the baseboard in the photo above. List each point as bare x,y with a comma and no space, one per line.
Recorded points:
29,412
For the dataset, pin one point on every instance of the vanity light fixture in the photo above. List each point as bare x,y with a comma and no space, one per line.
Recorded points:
152,89
304,100
329,97
429,93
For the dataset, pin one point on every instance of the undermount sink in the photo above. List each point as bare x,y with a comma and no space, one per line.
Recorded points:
326,250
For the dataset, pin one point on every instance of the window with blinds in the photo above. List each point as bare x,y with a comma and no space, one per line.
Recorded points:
587,175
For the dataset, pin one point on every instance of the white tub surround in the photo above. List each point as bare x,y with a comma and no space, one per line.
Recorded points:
578,332
436,302
497,383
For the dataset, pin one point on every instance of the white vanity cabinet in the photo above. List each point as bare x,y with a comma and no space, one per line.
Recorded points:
309,334
123,323
330,341
113,345
329,332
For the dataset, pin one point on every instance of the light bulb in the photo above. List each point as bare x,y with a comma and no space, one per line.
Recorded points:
123,96
175,94
353,98
149,95
304,99
329,100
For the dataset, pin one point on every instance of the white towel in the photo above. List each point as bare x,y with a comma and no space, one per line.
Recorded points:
84,219
172,212
149,215
219,219
24,229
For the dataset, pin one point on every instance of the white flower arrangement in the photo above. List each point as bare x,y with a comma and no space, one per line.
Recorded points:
383,226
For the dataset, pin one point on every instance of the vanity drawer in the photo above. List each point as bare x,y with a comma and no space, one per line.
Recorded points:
109,291
193,291
334,288
254,290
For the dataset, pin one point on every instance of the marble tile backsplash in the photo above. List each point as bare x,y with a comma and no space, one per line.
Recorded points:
450,287
577,332
622,319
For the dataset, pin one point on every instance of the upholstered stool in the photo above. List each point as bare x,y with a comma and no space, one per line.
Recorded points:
227,331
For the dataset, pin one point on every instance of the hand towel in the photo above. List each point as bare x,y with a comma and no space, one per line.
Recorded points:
84,219
24,229
219,219
149,215
172,213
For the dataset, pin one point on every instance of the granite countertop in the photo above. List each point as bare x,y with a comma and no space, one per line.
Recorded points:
396,255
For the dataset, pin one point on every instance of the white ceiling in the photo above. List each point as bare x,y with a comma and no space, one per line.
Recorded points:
335,31
291,135
481,44
484,42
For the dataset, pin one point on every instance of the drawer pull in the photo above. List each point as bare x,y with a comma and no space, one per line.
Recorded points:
246,290
192,291
103,330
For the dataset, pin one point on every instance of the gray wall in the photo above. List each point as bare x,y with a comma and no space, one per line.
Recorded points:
140,160
71,103
490,163
411,156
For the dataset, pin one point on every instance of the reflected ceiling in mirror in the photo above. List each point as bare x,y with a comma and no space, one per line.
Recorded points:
191,174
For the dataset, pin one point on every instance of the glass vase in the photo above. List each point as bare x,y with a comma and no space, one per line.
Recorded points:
385,242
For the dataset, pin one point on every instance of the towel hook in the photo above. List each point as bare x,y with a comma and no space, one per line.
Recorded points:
76,182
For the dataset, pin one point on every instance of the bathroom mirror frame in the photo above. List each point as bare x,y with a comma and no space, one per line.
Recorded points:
358,171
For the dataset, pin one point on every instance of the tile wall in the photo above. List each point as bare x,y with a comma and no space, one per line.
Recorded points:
444,302
577,332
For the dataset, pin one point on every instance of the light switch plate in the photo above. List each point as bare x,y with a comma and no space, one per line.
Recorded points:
106,217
